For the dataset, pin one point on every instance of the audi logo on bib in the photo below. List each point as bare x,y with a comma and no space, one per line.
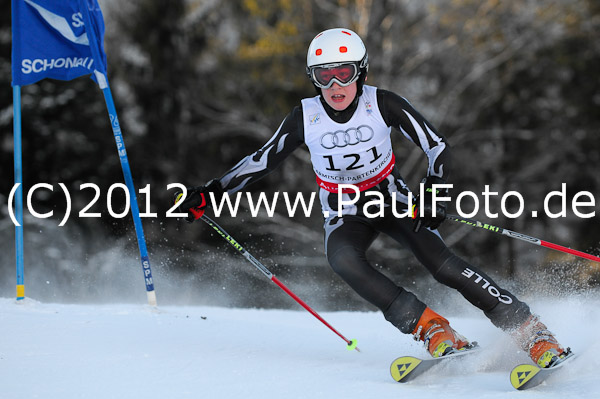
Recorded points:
343,138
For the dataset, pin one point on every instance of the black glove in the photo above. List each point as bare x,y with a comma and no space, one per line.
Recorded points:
197,199
425,217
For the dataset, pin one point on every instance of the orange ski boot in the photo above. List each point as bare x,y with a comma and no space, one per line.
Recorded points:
439,338
539,343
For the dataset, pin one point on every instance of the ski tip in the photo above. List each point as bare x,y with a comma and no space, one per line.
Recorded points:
522,374
527,376
352,345
402,367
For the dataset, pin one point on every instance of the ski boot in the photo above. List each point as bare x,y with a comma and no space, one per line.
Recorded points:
437,335
539,343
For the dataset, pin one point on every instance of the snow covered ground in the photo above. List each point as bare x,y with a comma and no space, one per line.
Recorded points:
63,351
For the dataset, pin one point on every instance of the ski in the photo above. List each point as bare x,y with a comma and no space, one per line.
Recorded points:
526,376
407,368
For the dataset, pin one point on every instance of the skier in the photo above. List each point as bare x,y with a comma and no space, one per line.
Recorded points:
347,128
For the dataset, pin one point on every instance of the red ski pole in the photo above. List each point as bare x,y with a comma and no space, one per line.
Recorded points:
522,237
351,344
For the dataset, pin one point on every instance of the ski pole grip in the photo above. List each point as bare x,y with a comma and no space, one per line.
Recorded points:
199,210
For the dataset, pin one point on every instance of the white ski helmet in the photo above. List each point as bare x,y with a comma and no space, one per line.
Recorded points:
335,47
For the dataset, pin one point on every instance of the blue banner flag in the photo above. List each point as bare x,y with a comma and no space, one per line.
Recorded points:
58,39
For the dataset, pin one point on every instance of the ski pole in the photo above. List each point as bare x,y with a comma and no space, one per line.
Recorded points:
522,237
351,344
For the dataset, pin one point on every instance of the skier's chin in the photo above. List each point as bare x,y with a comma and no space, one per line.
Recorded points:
339,102
339,98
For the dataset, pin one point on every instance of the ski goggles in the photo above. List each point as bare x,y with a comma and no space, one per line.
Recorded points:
324,76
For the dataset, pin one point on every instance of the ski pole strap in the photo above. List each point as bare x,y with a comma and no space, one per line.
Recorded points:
522,237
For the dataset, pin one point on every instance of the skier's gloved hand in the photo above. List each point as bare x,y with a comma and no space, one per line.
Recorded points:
426,217
197,199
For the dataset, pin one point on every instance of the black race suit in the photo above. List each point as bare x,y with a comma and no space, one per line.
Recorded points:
348,237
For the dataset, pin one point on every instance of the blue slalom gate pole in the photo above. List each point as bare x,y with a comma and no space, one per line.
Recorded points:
66,30
135,211
95,30
18,159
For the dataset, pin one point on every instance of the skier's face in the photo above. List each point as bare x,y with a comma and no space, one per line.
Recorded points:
339,97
